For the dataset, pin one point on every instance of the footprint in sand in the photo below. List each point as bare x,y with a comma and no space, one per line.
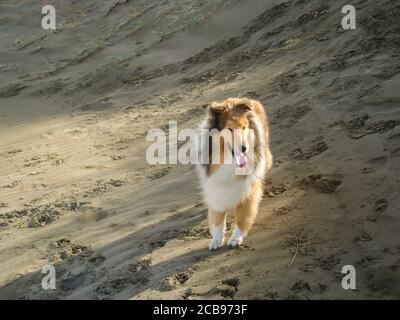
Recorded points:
65,249
140,265
364,236
323,183
157,174
227,289
175,280
300,285
233,283
316,147
11,90
357,127
117,157
11,153
379,207
274,190
111,287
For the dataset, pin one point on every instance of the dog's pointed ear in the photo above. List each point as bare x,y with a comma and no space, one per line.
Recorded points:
243,108
216,109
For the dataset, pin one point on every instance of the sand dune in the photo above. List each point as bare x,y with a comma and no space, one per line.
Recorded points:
76,190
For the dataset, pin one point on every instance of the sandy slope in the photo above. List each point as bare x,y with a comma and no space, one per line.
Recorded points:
76,191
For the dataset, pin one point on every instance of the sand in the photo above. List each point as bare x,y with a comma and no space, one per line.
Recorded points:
76,191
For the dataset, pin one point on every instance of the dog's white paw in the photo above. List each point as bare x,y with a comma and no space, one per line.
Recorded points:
218,237
215,244
235,241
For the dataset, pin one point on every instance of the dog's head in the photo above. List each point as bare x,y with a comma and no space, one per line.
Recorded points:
231,118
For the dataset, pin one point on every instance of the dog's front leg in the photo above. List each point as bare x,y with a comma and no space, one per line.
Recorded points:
217,224
245,214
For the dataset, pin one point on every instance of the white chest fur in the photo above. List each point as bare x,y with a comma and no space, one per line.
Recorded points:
223,190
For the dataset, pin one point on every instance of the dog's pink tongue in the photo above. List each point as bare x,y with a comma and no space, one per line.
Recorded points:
240,160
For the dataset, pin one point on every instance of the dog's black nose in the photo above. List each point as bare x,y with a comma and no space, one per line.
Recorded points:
244,148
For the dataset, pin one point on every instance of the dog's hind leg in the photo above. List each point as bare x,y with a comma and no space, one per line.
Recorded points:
245,215
217,224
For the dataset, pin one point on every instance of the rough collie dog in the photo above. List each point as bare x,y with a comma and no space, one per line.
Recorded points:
234,158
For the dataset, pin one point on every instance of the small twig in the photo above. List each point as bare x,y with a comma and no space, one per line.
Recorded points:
294,256
297,244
